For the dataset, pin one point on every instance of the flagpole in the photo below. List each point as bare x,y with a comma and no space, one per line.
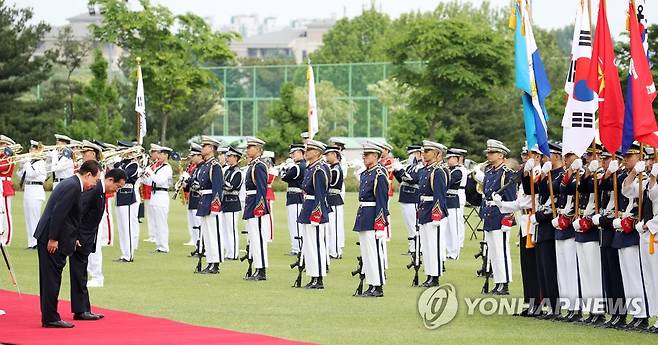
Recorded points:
138,123
595,179
528,243
640,188
551,194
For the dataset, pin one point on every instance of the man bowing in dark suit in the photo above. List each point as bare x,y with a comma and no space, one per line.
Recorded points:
57,237
93,208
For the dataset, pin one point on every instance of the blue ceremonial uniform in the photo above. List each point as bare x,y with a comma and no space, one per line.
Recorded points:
494,179
408,178
211,184
433,181
294,177
232,184
194,196
335,185
255,182
454,186
373,199
586,188
622,239
126,195
567,188
315,187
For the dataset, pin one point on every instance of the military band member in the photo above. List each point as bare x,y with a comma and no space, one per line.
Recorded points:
496,224
33,174
106,227
231,204
62,159
408,177
147,192
160,178
456,203
210,185
189,176
432,210
314,215
340,144
293,174
127,206
336,230
6,189
371,219
256,208
272,174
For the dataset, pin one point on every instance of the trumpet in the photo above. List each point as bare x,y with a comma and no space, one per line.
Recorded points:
126,153
15,148
15,159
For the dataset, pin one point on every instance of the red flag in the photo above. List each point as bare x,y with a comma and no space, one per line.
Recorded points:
644,90
603,78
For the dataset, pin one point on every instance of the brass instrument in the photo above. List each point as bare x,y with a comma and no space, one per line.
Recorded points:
125,153
17,158
16,148
479,167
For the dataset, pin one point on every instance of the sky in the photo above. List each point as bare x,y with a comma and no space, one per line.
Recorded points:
547,14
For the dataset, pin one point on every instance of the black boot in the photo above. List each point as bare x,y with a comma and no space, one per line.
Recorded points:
367,292
596,320
211,269
638,324
434,282
377,292
310,283
318,284
503,289
495,288
573,316
259,274
206,270
427,281
617,322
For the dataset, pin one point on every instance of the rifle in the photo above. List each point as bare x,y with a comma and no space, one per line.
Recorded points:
359,271
415,259
485,271
247,257
200,250
299,263
481,254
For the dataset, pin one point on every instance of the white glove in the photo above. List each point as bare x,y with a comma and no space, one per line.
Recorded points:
397,166
315,224
289,164
273,171
479,176
555,223
533,219
185,175
148,171
593,166
576,165
529,164
616,223
548,166
613,166
379,234
640,167
497,199
576,224
639,226
596,219
654,170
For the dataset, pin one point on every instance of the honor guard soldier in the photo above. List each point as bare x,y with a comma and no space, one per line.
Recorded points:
211,188
62,164
456,202
33,174
314,214
386,161
409,197
336,231
193,196
231,204
6,188
627,238
648,232
293,174
106,228
160,179
256,208
497,225
128,205
272,173
372,218
432,209
340,144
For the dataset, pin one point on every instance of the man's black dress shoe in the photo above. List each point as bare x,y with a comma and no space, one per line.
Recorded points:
87,316
57,324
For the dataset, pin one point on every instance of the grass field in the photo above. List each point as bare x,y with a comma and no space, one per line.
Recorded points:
163,285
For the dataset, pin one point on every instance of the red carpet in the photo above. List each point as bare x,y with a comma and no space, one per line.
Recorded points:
22,325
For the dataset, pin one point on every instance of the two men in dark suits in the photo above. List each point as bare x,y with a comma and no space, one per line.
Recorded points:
57,237
93,208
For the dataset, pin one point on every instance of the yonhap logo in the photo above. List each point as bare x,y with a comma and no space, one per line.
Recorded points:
438,305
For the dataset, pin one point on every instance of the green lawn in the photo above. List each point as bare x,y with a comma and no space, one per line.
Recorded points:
163,285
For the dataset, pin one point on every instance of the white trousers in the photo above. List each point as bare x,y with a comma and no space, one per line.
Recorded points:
430,245
106,226
409,217
453,246
231,234
591,276
158,216
128,229
336,231
294,229
443,229
498,254
373,257
5,219
314,249
567,272
148,213
257,232
193,225
95,263
650,273
462,227
212,238
32,211
631,275
270,218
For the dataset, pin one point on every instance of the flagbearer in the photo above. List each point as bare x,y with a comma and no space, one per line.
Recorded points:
497,225
231,204
293,173
33,174
336,231
160,179
256,207
371,219
6,188
408,177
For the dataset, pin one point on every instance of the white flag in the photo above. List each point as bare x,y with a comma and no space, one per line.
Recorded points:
140,106
578,122
313,126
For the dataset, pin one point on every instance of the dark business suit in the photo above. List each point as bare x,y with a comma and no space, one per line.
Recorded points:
93,207
59,221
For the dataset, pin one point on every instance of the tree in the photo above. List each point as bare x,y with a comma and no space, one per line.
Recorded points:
173,50
291,120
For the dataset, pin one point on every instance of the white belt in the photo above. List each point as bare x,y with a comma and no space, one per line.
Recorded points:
251,192
406,184
295,190
205,191
367,204
334,191
426,198
490,203
127,185
452,192
309,197
4,178
231,193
